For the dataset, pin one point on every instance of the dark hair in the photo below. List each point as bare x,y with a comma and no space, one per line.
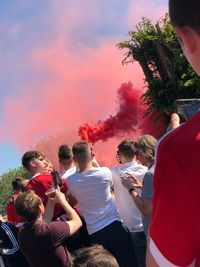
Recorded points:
127,148
27,205
17,184
95,256
185,13
28,156
81,151
65,154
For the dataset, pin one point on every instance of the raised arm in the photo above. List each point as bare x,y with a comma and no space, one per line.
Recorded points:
74,221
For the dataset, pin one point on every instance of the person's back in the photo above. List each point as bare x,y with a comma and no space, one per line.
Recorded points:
18,187
92,190
132,218
42,243
175,223
127,209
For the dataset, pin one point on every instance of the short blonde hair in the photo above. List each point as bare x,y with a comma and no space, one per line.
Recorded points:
27,205
94,256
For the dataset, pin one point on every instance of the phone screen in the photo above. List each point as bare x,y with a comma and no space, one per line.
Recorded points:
186,108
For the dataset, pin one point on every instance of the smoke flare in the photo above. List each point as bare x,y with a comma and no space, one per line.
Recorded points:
125,121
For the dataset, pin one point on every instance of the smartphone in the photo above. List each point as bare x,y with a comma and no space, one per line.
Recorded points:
186,108
56,179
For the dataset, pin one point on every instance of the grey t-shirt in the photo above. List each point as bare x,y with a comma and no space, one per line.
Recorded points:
147,192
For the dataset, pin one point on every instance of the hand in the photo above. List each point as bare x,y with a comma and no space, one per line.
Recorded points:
1,218
127,183
174,123
94,162
136,182
59,197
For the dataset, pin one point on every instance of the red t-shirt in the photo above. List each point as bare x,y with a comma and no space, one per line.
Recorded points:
11,211
42,244
40,184
175,226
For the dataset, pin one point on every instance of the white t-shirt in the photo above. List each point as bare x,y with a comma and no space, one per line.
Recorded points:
128,211
92,190
68,172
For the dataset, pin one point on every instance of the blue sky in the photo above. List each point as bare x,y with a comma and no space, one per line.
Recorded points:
34,36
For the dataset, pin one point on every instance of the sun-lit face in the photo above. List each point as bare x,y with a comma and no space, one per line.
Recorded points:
39,164
190,42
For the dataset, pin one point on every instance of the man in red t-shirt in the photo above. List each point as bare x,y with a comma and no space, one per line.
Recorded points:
175,227
12,216
40,182
43,243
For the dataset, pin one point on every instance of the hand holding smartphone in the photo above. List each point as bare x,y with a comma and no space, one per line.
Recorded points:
186,108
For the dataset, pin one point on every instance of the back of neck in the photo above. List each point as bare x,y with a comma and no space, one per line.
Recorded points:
85,166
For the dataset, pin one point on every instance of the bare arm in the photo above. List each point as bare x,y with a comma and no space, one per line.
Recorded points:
74,221
144,205
49,210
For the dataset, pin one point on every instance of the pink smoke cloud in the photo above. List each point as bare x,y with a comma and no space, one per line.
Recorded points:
145,8
77,88
71,82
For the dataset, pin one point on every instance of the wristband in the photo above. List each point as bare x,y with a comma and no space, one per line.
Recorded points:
131,190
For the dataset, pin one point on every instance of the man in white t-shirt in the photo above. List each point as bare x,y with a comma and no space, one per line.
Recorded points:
66,162
132,218
91,187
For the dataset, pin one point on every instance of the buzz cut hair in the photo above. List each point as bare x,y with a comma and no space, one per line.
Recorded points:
81,151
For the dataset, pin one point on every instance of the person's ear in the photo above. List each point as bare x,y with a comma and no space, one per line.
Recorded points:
187,38
32,163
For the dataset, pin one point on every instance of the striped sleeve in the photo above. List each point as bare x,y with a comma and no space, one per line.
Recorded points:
10,235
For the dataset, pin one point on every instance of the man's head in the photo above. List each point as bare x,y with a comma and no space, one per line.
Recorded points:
82,152
29,206
185,17
18,184
145,149
95,256
126,151
65,156
34,162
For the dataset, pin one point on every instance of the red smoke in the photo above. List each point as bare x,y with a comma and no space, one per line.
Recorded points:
125,121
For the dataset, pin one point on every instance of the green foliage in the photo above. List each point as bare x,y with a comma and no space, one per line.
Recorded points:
6,186
168,76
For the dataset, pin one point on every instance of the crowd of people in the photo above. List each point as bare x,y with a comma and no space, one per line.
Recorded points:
128,216
89,205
